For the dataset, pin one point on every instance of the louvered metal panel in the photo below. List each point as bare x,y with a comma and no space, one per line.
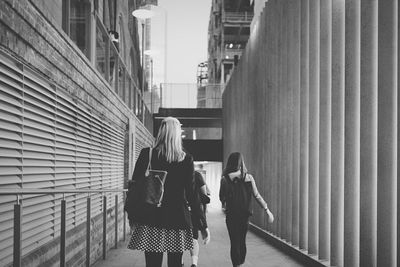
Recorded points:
142,139
11,121
48,140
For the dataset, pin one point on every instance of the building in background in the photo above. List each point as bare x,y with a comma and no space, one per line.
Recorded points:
71,118
202,81
229,30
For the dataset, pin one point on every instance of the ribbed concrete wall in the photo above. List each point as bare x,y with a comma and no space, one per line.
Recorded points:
313,107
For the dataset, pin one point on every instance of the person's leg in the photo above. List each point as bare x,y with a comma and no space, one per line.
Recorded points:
175,259
232,226
194,253
244,226
153,259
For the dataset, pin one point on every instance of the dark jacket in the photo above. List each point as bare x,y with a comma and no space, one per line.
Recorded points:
199,222
178,193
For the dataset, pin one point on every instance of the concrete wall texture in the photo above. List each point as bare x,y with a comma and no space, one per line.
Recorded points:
313,106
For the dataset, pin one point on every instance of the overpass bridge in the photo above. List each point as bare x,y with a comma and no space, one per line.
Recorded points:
202,130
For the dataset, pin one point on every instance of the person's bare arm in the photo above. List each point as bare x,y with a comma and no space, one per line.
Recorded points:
260,199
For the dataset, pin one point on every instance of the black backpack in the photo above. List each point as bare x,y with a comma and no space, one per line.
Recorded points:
238,196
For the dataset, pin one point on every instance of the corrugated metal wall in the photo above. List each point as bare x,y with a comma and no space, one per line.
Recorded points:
49,140
313,105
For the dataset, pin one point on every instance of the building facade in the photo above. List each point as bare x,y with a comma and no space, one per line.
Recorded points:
228,32
71,118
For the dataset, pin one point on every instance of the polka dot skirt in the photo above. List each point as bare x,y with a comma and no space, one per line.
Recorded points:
153,239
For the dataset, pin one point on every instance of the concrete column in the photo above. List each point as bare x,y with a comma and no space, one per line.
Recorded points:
263,111
325,101
368,135
274,106
295,80
276,116
398,149
261,107
352,136
337,153
268,111
271,87
304,114
283,90
289,119
313,164
387,133
279,120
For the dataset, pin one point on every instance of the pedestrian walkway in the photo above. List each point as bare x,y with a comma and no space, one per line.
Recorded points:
215,254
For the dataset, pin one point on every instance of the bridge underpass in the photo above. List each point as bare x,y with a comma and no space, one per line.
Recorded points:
202,130
202,138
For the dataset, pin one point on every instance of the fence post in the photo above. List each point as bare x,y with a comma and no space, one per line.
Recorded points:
17,234
63,232
124,198
88,220
116,221
104,227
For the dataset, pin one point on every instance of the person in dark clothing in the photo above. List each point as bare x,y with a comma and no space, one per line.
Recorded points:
199,190
237,188
168,228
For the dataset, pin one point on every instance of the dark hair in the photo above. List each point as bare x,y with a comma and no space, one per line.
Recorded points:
235,163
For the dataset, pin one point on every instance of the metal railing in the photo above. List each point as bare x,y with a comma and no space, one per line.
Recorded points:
242,17
18,218
187,95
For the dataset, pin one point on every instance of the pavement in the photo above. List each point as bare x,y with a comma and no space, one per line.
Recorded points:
215,254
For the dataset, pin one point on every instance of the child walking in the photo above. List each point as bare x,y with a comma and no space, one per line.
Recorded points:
236,189
199,223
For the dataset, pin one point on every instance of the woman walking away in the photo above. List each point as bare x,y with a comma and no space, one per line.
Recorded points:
236,189
166,227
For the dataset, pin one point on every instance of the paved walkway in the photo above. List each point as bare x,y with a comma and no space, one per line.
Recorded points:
215,254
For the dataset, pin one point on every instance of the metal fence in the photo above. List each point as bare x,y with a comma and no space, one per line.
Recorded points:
18,218
243,17
185,95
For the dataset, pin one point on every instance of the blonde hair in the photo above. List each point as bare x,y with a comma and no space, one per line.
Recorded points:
169,140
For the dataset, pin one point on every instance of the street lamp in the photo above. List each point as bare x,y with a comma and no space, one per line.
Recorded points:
142,14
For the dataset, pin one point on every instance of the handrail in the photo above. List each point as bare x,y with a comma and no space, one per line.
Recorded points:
245,16
57,191
17,252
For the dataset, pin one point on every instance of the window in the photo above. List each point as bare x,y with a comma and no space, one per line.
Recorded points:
101,50
76,23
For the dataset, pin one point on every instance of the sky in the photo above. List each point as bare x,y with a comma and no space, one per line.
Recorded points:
186,28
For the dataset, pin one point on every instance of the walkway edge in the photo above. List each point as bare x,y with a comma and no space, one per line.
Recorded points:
287,248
